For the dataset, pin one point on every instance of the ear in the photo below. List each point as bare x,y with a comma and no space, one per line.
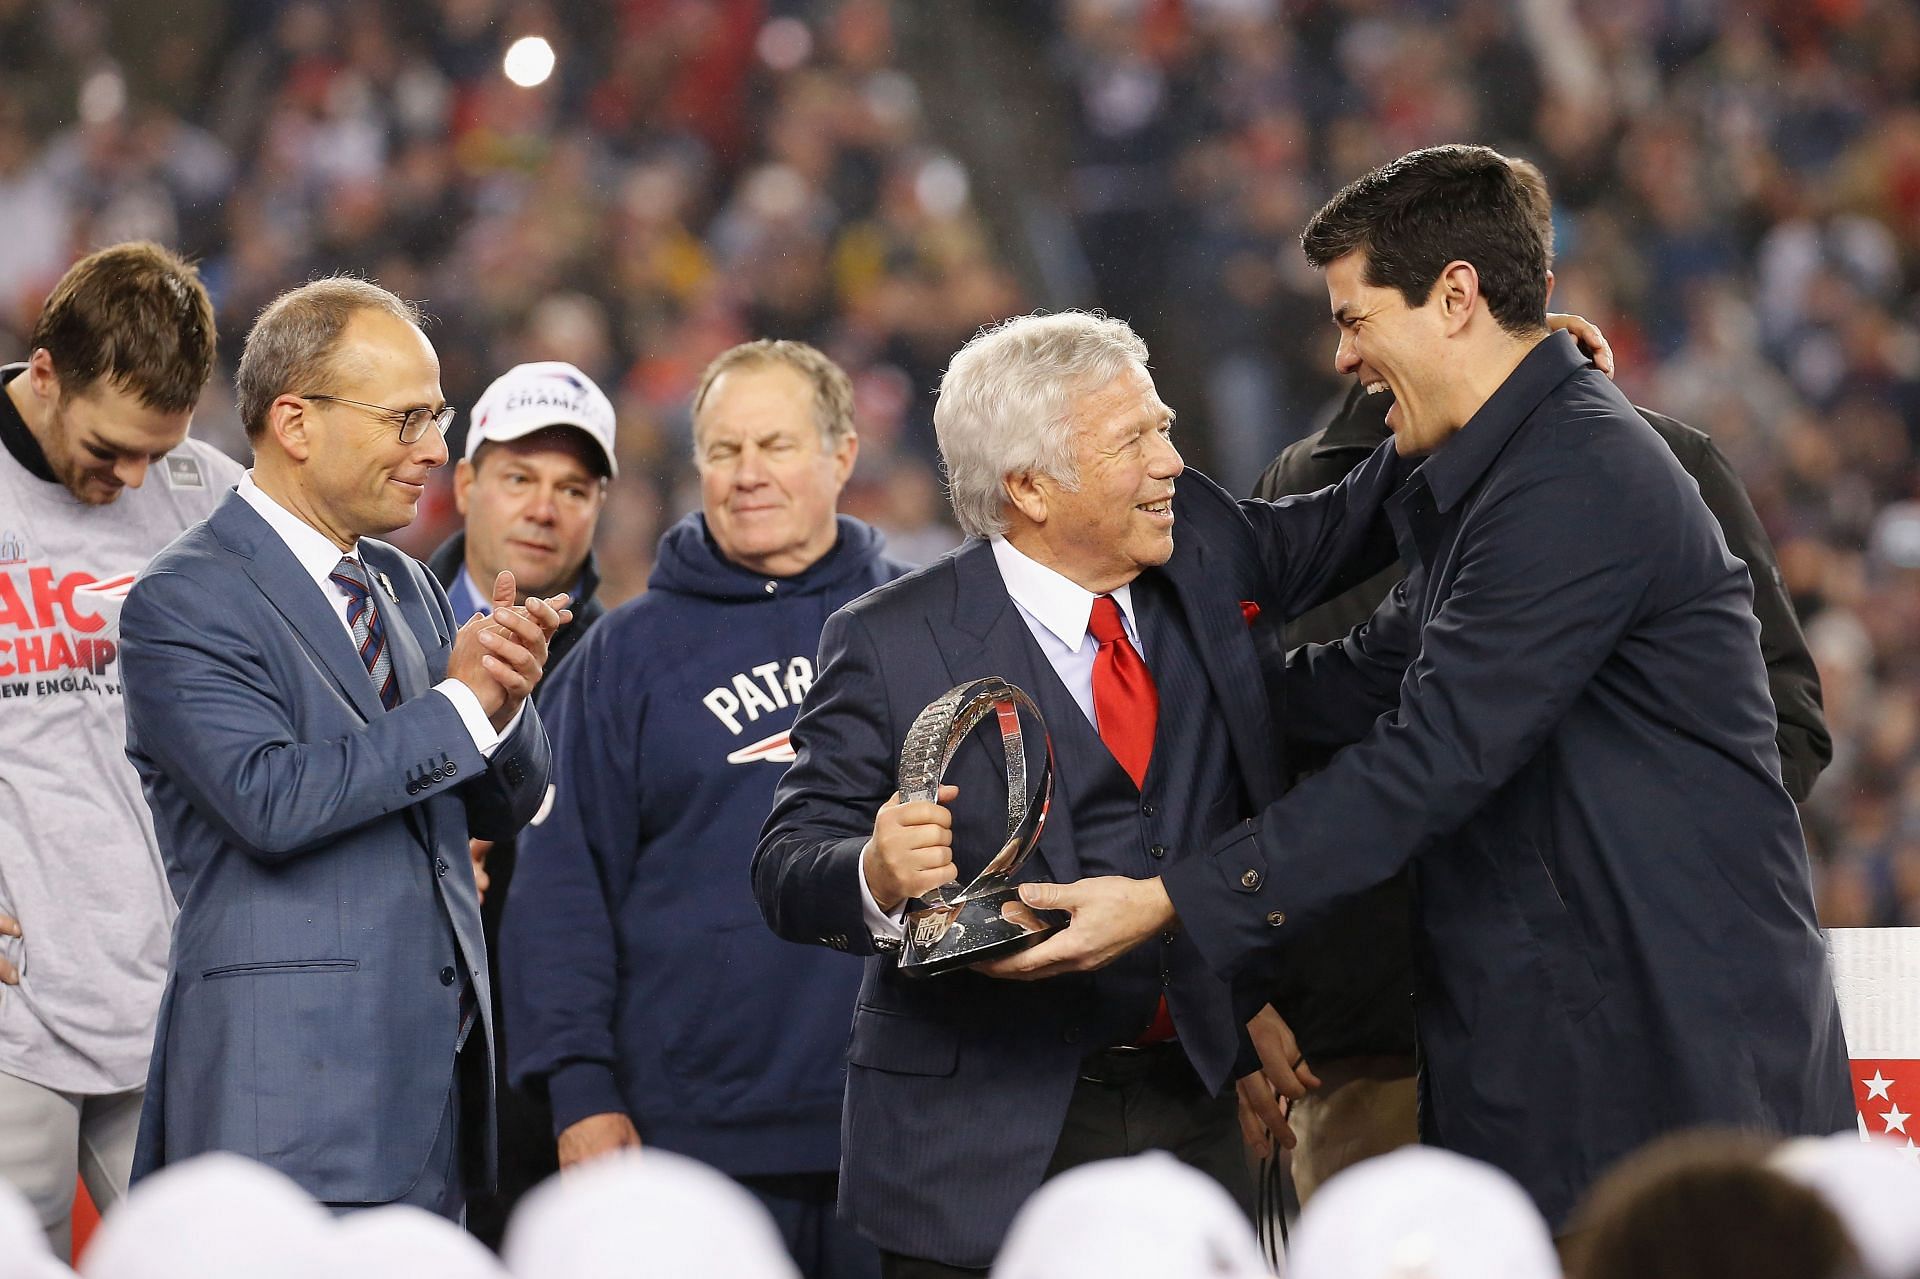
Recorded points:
289,423
846,451
1459,290
1549,290
1028,491
462,481
42,378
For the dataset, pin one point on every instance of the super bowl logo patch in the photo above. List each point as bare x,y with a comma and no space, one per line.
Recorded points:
185,472
13,547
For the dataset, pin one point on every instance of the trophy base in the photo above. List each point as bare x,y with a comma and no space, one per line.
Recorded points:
984,925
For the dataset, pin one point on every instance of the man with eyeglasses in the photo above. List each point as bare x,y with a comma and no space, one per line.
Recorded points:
531,486
318,739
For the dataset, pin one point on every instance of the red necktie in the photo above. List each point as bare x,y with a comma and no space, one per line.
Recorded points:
1126,705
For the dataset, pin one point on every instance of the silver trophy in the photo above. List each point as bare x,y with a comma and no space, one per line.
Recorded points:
952,927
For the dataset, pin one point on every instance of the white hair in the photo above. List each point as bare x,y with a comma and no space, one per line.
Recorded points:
1006,402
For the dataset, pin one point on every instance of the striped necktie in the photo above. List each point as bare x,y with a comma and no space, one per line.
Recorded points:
369,632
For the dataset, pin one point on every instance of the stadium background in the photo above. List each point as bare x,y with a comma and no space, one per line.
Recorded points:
1737,189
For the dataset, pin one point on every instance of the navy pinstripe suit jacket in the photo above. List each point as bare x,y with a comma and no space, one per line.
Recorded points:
958,1086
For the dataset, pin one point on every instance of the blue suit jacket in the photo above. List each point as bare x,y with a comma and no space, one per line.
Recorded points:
317,846
1615,933
957,1086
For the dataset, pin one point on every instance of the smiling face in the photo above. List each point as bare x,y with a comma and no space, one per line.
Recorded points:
1392,347
1118,520
360,479
531,505
769,481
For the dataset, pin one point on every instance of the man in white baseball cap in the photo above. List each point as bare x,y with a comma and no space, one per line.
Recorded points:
531,486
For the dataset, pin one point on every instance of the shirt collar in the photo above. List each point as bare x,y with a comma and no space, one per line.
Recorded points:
315,550
1058,603
1457,465
464,597
17,436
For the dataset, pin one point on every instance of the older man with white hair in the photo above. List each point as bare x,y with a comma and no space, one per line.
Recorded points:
964,1093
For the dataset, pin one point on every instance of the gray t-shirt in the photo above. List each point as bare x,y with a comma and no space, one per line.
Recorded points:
79,865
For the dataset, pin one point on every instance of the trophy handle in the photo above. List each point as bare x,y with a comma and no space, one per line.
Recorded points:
952,925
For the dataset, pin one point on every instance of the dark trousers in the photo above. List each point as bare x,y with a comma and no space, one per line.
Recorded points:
528,1155
1128,1101
804,1207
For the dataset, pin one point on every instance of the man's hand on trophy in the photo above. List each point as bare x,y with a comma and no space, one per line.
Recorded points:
1110,916
911,852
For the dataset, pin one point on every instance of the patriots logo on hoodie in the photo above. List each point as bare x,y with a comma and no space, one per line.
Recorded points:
777,749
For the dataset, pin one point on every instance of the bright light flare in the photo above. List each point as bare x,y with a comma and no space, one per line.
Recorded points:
529,61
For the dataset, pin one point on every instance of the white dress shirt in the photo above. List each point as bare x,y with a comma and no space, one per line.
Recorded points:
1056,610
319,557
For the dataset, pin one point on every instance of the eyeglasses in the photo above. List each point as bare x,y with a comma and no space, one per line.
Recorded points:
413,423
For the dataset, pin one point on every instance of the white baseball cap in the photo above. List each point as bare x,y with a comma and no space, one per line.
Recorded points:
1132,1218
215,1216
398,1241
1421,1213
1873,1185
645,1214
531,397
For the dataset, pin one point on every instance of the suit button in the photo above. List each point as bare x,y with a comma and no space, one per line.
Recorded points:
1146,810
1251,879
439,865
446,976
1071,1035
413,788
1276,918
1158,850
452,768
437,775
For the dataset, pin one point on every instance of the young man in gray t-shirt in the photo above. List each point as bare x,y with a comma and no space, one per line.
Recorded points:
96,475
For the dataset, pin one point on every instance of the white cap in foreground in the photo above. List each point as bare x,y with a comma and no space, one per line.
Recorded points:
216,1216
644,1214
1873,1186
1421,1213
1143,1217
23,1244
401,1242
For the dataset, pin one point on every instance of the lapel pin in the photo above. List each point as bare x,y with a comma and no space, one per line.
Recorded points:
387,586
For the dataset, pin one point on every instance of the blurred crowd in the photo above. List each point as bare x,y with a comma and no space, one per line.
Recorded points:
692,175
1737,191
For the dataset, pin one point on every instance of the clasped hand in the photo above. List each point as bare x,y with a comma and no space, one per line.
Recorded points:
501,655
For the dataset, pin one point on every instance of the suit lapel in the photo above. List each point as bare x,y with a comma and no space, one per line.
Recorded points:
1222,640
987,636
278,576
409,663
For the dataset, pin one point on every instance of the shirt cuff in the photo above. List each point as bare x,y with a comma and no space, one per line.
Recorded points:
880,925
479,728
